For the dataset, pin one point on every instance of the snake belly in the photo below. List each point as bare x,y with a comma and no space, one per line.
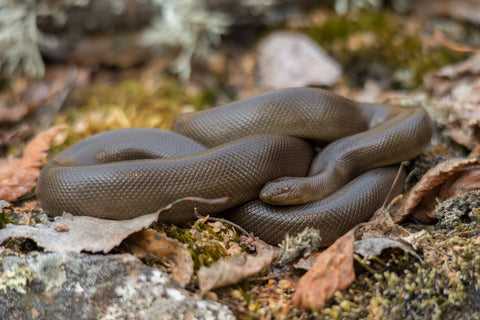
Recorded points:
256,147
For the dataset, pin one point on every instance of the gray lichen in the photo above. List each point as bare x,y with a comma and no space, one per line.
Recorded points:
451,212
15,278
189,25
81,286
20,37
194,26
184,23
300,246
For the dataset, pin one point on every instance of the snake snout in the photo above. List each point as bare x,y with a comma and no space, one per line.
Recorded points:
282,192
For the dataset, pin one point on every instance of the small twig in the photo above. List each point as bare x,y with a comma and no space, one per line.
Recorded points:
438,35
199,216
194,199
387,198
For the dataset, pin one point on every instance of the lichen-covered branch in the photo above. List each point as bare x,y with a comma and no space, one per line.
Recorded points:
189,25
19,38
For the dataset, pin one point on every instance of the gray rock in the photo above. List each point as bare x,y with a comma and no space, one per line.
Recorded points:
289,59
81,286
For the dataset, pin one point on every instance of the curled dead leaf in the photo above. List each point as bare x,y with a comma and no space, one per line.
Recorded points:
231,270
369,247
19,176
434,185
150,244
332,271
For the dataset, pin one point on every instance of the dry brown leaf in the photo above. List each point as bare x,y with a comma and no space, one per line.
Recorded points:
26,96
379,225
421,200
455,90
307,263
369,247
463,124
332,271
462,181
150,244
233,269
21,101
18,176
83,234
87,233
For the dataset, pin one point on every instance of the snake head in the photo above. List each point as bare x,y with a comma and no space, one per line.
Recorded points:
283,191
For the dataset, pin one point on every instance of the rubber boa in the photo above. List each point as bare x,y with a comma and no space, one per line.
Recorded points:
259,152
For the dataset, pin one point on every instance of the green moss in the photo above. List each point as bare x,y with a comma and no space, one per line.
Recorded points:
206,246
381,39
206,253
339,28
443,285
401,287
247,296
5,219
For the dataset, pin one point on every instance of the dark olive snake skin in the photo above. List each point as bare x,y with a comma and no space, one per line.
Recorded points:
233,151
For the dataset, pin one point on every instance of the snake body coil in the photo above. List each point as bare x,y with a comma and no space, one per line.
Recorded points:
250,148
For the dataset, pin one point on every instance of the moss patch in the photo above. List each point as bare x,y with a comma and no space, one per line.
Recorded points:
440,286
207,242
5,219
443,285
370,42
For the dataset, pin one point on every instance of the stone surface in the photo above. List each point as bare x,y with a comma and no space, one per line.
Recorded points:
81,286
288,59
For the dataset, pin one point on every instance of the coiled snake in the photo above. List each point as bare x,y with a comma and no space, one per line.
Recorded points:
234,151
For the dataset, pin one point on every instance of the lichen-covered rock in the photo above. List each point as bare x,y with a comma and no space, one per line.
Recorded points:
83,286
289,59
